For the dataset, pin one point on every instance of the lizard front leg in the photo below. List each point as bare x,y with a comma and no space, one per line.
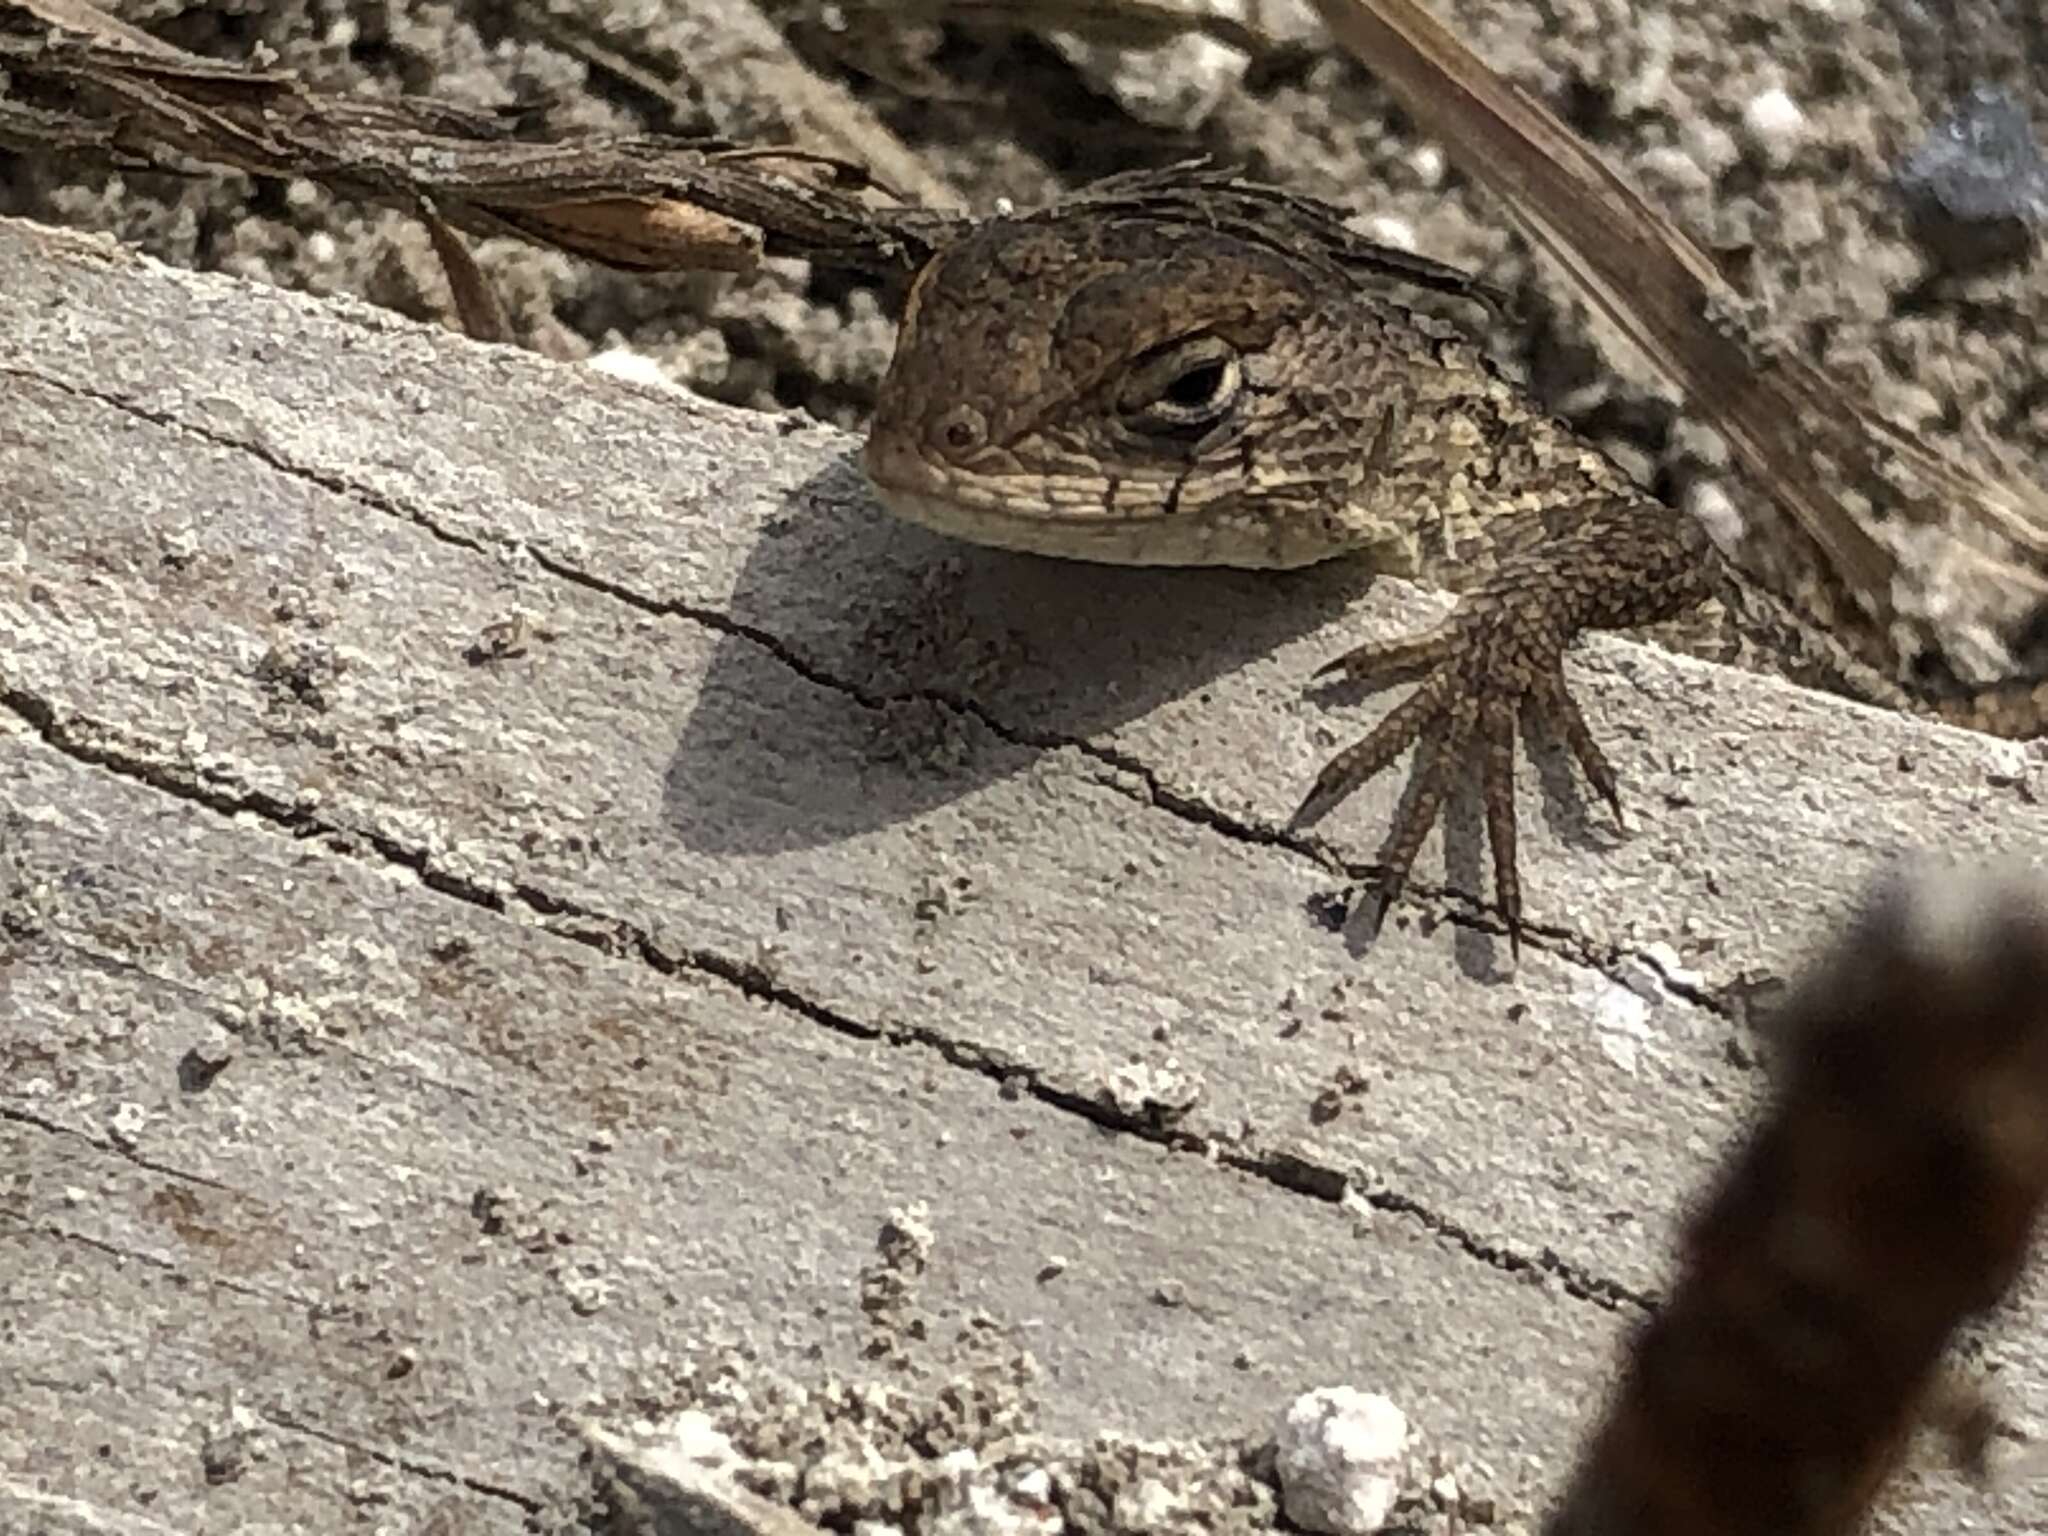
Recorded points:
1499,654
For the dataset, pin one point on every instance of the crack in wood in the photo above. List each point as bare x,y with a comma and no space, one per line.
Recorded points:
619,938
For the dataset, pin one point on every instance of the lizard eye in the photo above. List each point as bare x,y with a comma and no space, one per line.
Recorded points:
962,429
1185,386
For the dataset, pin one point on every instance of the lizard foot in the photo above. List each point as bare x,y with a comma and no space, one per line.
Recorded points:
1501,652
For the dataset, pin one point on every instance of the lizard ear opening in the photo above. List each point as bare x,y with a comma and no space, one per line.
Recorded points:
1183,387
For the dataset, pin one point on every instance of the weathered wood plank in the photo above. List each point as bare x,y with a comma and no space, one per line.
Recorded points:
331,647
669,1166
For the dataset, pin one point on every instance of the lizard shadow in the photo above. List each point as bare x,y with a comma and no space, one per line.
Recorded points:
872,670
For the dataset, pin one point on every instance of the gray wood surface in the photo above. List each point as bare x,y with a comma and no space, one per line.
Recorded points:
545,789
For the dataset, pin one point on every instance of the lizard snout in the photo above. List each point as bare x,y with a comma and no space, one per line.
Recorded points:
892,462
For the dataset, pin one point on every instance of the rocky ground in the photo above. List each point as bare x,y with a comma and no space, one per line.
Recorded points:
1791,137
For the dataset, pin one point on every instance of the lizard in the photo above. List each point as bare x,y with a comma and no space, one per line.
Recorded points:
1183,367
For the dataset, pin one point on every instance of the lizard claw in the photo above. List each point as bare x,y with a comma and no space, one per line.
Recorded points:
1499,653
1555,702
1385,658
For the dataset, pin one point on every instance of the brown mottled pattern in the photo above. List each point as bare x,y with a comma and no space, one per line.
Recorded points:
1182,368
1891,1191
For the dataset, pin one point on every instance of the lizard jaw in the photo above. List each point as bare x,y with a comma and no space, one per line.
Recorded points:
1077,519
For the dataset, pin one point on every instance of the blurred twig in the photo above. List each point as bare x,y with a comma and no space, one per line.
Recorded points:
1893,1190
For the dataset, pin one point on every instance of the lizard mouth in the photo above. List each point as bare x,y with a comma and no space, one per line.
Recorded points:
1067,517
1098,519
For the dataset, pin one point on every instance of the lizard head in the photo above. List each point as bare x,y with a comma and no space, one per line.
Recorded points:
1136,390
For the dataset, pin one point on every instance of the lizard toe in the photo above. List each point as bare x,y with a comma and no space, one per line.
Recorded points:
1497,788
1446,744
1499,654
1386,658
1343,774
1553,699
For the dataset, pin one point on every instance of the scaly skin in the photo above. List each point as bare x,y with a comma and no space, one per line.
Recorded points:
1190,371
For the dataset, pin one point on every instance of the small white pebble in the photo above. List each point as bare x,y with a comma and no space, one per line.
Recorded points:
1428,165
1774,119
1339,1455
1715,510
321,248
2005,762
1675,166
1035,1484
633,367
1139,1088
1676,972
1620,1020
127,1121
1398,233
